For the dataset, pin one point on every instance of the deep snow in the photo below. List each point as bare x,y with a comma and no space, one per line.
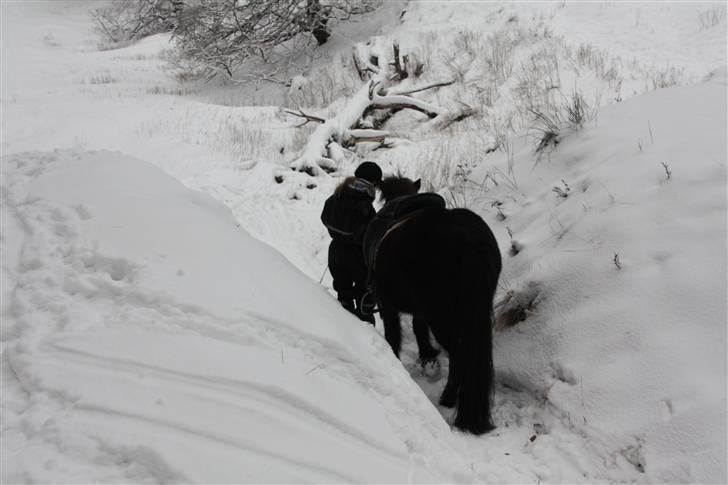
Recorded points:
148,335
134,345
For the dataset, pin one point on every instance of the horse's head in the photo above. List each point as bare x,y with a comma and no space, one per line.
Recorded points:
397,186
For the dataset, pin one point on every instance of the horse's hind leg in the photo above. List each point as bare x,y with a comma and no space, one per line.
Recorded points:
421,328
449,395
392,329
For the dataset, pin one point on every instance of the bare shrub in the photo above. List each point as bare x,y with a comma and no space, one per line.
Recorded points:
217,37
129,20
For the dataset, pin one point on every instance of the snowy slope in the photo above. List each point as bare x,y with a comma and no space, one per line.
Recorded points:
632,352
150,338
147,337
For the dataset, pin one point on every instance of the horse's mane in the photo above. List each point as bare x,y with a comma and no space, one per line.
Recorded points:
396,186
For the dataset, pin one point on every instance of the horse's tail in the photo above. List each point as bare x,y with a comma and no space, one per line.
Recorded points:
474,355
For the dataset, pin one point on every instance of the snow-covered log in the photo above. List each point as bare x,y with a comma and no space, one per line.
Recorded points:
315,158
353,124
398,102
352,137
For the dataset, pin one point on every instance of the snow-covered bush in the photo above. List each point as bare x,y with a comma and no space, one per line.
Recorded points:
216,37
128,20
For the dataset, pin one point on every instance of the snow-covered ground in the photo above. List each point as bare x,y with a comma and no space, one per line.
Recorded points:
150,333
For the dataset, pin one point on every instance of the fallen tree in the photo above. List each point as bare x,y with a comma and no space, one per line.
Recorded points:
363,117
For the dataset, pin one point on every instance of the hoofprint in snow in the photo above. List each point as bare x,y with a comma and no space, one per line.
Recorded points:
146,337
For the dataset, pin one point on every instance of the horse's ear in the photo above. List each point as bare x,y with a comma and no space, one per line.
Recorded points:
418,184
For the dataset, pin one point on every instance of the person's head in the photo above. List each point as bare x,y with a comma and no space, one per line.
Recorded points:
370,172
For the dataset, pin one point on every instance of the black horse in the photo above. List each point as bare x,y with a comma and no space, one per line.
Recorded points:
441,266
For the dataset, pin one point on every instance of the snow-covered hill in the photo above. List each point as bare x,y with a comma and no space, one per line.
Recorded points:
148,337
150,333
622,265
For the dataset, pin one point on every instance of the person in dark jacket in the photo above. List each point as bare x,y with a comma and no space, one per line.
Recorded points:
346,215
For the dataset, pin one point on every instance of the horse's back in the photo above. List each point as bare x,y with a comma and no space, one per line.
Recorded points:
428,253
447,235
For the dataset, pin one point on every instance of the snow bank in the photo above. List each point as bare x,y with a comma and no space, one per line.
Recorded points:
627,264
146,337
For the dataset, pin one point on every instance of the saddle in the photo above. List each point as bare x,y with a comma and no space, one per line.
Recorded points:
406,204
394,214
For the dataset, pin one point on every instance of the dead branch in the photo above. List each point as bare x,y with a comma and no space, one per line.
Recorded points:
256,77
372,89
326,149
448,118
400,71
307,117
409,91
383,146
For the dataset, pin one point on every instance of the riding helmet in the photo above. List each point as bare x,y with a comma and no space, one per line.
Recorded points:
370,172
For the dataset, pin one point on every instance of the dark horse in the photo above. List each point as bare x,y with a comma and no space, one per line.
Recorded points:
441,266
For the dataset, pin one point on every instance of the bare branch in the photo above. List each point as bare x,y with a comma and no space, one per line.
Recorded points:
421,88
383,146
400,72
446,119
309,118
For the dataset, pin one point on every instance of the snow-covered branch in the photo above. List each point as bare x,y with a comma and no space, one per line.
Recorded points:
407,92
356,122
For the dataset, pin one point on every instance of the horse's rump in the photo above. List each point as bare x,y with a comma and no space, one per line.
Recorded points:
442,266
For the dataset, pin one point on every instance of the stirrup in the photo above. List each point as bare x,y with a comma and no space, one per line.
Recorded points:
367,305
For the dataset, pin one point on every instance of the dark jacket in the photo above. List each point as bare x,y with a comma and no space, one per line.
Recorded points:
348,211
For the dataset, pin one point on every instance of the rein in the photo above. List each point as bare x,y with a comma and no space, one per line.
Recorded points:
378,244
394,226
